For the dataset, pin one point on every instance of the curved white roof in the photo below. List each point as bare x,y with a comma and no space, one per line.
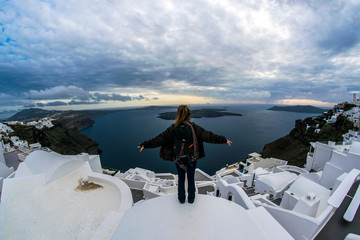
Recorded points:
52,164
209,217
277,180
34,209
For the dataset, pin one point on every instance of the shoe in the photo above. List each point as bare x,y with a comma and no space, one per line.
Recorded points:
191,199
181,200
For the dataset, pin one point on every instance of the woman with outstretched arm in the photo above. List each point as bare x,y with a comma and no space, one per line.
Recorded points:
182,143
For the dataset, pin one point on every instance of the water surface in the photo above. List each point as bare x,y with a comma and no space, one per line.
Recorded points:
119,134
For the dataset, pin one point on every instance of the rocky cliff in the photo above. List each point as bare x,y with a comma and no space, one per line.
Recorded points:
64,137
295,146
75,121
59,138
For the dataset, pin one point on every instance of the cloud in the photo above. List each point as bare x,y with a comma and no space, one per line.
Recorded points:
183,86
11,102
48,104
58,92
56,103
339,26
111,97
140,97
31,105
258,49
248,95
74,96
83,102
5,97
257,94
304,102
6,114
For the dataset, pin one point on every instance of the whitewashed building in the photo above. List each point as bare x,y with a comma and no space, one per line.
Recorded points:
19,143
32,123
333,118
5,171
5,129
85,204
46,122
353,115
35,146
356,100
351,136
40,124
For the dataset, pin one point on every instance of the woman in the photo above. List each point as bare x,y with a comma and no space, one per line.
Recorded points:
167,141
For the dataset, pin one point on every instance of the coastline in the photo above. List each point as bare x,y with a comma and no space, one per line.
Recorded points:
238,129
119,119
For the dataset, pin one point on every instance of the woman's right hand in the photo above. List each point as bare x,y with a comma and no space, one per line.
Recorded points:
141,148
228,142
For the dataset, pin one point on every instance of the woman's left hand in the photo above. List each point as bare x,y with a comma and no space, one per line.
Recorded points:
228,142
141,148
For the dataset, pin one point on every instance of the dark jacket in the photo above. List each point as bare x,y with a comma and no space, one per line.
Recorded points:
166,139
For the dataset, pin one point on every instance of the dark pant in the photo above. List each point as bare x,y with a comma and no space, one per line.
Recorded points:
181,182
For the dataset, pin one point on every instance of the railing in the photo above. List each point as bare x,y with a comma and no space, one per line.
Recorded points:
291,168
340,193
353,207
11,175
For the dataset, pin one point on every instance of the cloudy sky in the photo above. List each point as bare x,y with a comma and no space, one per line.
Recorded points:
115,53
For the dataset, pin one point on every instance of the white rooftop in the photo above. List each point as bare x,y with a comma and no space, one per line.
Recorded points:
255,155
208,218
73,205
355,148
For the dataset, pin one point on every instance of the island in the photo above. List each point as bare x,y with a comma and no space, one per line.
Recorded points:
202,113
298,108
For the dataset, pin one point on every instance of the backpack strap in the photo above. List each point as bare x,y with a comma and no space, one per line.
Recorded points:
195,142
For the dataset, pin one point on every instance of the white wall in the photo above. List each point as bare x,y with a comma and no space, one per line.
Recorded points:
5,171
338,164
347,161
322,154
2,158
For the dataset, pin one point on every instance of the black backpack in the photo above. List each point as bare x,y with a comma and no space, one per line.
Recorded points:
185,145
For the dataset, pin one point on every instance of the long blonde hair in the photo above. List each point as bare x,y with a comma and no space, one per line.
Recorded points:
183,114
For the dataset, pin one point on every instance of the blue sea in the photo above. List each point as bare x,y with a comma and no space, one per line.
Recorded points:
119,134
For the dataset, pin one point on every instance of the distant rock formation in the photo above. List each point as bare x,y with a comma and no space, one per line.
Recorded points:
298,108
31,114
202,113
70,118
